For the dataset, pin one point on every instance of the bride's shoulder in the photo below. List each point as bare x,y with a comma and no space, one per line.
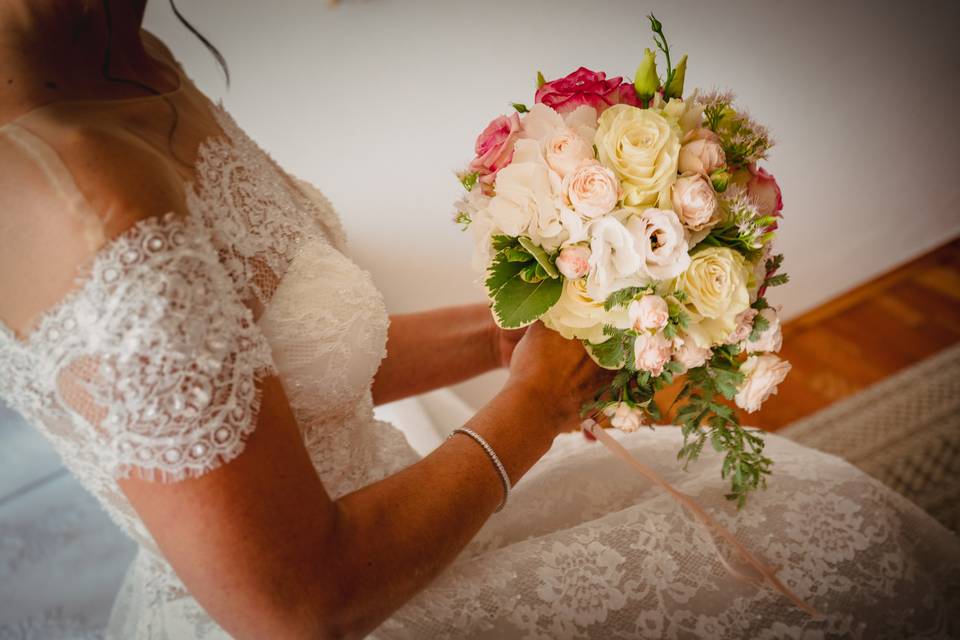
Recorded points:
69,188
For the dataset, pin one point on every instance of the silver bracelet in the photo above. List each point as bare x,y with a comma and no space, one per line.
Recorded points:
504,478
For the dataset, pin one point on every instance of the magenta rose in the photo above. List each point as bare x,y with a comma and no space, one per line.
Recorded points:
585,87
765,191
494,146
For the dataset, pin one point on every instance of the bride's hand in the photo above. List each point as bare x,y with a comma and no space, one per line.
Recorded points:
558,372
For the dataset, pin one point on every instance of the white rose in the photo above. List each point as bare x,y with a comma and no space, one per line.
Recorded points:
578,316
641,146
763,374
695,202
701,153
661,241
715,285
592,190
574,261
744,326
651,353
624,417
772,337
689,354
566,141
649,313
614,261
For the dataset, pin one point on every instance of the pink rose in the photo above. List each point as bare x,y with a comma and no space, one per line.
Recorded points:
585,87
744,326
695,201
772,337
651,353
624,417
701,153
592,190
689,354
762,376
765,191
494,146
574,261
649,313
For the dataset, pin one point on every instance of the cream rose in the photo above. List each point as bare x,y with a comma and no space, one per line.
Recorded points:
715,285
592,190
688,353
578,316
695,202
624,417
651,353
649,313
661,242
574,262
763,374
641,146
701,153
772,337
614,261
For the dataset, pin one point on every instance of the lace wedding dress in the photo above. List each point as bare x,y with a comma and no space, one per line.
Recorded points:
149,358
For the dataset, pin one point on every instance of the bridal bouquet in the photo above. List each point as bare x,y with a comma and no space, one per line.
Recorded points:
639,220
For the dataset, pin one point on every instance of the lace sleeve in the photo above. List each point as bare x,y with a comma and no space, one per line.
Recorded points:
165,359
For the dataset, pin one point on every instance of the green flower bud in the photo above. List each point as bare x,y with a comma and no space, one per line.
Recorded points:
646,82
720,179
675,88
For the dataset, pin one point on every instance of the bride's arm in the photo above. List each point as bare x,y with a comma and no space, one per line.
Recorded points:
434,349
268,554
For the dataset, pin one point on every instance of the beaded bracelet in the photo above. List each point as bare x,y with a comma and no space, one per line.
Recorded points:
504,478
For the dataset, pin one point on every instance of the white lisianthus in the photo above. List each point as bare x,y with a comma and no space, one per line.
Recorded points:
624,417
661,242
762,375
578,316
651,353
566,141
688,353
715,285
642,147
574,261
614,261
772,337
592,190
649,313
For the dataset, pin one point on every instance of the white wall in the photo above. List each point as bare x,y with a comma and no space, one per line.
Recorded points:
378,102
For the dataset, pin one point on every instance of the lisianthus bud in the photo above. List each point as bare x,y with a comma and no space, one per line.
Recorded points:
574,261
646,81
674,88
720,179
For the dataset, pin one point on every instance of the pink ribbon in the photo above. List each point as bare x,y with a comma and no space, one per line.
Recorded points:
764,573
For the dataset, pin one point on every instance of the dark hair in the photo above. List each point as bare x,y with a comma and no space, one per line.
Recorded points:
105,66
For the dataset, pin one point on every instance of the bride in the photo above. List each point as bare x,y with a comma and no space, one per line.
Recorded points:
181,322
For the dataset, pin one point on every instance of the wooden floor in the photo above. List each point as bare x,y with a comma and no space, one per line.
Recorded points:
866,335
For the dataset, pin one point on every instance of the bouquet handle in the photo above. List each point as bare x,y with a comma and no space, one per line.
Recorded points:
763,572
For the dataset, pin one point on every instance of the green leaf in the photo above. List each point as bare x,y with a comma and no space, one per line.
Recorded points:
520,107
501,271
518,303
540,80
516,254
540,256
777,280
616,351
622,297
760,324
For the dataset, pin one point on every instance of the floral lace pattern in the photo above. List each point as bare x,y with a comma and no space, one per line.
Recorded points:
152,365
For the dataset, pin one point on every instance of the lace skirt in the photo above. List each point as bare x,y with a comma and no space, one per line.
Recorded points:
587,549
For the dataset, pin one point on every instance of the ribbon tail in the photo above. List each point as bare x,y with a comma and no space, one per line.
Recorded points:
765,573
